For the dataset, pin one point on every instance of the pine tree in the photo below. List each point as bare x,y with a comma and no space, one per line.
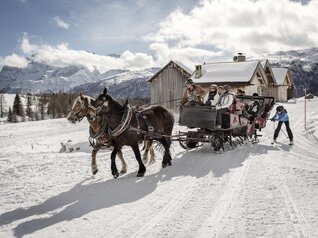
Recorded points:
17,106
52,106
43,100
29,111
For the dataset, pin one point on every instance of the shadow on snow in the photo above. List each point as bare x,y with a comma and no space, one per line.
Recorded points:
88,196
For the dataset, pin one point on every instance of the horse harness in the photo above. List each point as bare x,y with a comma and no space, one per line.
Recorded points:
124,125
100,135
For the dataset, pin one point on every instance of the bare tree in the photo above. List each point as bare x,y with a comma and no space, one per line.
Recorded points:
2,105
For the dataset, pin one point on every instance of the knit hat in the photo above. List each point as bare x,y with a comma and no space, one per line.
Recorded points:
227,87
279,108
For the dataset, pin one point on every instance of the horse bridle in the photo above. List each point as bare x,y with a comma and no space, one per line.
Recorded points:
78,117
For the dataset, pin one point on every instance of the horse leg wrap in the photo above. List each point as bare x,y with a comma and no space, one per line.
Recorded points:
94,169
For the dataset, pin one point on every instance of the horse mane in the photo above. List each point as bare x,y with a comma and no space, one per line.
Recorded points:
114,101
90,99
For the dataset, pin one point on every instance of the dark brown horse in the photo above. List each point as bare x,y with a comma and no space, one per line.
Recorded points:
154,123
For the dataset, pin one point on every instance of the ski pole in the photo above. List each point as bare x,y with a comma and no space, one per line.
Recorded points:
283,131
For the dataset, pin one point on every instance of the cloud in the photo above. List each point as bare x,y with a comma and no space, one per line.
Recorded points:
250,26
187,55
61,55
14,61
60,23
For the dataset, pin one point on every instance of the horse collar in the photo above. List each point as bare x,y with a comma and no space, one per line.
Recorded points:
101,131
124,124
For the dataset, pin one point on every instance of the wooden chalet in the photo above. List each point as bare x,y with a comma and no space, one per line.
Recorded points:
248,76
168,84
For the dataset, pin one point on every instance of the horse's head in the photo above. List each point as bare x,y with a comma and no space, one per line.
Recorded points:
104,102
80,108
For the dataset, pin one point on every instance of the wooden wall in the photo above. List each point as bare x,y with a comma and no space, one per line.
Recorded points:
167,88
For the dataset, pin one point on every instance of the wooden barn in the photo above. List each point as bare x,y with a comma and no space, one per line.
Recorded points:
168,83
248,76
285,84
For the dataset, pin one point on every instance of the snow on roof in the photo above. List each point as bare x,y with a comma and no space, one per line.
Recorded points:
229,72
179,64
263,62
186,68
280,75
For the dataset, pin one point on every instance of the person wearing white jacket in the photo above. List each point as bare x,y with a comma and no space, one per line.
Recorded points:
222,106
212,97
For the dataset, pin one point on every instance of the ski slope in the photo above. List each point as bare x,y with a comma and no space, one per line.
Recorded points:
255,190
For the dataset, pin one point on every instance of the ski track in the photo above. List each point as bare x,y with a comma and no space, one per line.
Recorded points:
297,217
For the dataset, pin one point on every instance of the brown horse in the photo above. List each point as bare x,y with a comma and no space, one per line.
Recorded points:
81,108
128,127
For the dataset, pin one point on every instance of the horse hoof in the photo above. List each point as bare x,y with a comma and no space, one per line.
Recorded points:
165,164
141,174
116,174
123,171
95,171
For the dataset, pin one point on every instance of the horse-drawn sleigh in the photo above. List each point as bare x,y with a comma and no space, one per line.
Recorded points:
246,116
115,125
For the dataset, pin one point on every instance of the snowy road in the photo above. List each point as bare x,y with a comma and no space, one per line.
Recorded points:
252,191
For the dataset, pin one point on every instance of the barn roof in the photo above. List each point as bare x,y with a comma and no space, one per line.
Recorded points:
267,65
180,66
228,72
280,75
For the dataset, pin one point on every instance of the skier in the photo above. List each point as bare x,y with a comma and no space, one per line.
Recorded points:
282,117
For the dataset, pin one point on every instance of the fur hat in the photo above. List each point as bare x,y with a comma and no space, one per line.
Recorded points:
214,86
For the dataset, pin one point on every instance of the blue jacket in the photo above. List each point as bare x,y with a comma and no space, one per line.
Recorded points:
283,116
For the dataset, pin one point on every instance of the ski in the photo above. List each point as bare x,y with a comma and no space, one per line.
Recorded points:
275,142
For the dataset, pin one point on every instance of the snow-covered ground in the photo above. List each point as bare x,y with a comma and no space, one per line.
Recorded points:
255,190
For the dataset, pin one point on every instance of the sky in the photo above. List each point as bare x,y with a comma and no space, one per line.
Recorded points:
146,33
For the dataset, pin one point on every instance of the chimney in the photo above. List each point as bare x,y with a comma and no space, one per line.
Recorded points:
240,57
198,71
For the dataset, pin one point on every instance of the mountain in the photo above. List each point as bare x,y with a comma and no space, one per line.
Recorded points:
304,67
43,78
39,78
121,84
